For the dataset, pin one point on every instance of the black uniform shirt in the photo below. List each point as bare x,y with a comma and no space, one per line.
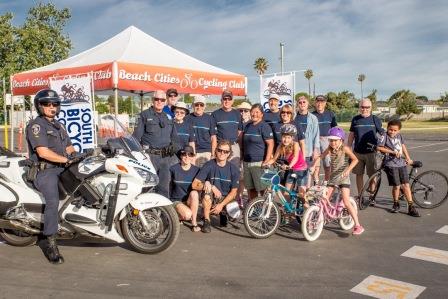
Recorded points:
41,132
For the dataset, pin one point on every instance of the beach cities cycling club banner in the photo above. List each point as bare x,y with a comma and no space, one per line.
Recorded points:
76,110
283,85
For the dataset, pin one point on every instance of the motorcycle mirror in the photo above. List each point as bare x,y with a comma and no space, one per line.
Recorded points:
119,151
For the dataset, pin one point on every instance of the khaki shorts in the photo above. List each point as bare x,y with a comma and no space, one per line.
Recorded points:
365,161
202,158
323,140
235,158
252,175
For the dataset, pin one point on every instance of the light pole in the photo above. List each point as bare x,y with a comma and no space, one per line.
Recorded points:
282,45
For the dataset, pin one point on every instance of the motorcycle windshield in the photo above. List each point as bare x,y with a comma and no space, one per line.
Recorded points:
116,135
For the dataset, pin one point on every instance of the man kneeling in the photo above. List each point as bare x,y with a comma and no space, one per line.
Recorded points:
185,200
218,179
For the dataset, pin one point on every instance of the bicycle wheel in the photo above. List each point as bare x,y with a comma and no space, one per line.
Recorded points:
430,189
346,221
260,220
367,194
312,223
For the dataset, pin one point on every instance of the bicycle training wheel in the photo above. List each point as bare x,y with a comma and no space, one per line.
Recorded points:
430,189
312,223
260,220
369,190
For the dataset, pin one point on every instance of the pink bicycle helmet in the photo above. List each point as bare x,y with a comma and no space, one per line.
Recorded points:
336,133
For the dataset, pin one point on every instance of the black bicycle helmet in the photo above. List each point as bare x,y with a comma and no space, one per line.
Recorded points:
46,96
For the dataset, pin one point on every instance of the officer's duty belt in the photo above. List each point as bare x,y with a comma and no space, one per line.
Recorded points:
46,165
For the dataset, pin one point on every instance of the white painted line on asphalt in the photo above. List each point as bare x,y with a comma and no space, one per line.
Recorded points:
443,230
441,150
426,145
427,254
380,287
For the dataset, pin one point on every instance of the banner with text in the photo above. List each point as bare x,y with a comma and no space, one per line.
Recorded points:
282,85
76,110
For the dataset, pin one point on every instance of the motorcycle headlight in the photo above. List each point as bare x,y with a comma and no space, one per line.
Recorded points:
148,177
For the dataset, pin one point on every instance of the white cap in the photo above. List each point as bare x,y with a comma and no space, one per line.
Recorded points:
199,99
274,96
233,210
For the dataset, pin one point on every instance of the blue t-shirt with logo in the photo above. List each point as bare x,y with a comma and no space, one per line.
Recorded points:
204,127
181,181
272,118
227,124
224,178
326,121
254,141
185,133
301,121
365,129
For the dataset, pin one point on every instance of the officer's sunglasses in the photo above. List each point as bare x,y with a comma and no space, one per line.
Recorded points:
48,104
159,99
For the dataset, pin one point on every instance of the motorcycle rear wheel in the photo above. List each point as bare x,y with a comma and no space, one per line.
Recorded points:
17,238
164,230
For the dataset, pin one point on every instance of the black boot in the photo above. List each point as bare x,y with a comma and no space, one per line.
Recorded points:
52,251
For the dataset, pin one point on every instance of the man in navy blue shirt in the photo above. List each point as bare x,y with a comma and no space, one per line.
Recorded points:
218,179
204,130
171,100
155,130
326,121
272,116
228,124
185,200
364,129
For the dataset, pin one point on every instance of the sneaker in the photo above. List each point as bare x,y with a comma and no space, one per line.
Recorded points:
395,207
413,211
372,202
206,227
222,220
358,230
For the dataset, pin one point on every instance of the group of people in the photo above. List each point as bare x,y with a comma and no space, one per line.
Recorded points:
212,158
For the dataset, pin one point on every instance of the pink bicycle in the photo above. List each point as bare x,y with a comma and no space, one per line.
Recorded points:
322,212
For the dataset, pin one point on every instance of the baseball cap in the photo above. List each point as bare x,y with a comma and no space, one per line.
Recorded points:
244,105
233,210
172,90
227,93
181,105
274,96
186,149
199,99
321,98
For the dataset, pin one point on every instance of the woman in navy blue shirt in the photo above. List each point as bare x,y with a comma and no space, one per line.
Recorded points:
185,132
185,200
257,144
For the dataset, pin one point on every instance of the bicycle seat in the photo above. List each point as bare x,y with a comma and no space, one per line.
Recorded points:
417,164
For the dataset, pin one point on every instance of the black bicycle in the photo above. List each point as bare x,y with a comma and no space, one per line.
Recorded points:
429,188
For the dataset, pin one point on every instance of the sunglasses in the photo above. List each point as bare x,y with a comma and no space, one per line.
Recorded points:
199,105
179,112
51,104
159,99
184,154
244,110
286,112
302,102
227,99
222,151
365,107
172,96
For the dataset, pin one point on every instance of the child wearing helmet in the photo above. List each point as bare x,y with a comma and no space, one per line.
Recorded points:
292,149
340,167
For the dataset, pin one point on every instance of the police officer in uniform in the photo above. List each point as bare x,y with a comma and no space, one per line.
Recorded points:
157,131
50,145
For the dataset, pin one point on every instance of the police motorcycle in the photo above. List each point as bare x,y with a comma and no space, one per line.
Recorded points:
106,194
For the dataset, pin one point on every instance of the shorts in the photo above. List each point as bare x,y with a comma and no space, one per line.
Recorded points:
340,185
323,146
301,177
215,200
365,161
252,175
397,175
202,158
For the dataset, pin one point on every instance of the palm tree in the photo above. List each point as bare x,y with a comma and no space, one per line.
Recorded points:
308,75
261,65
361,78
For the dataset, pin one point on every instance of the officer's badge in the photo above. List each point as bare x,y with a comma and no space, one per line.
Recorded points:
35,129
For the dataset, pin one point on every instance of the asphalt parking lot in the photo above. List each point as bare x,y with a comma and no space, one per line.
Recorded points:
228,263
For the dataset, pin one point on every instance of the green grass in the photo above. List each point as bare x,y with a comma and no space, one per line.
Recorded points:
415,126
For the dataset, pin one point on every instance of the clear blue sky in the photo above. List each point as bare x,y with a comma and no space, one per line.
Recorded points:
397,44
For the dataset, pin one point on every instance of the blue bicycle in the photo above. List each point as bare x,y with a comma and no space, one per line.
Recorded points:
262,216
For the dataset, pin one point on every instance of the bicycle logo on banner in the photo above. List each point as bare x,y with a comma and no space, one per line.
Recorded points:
71,94
277,87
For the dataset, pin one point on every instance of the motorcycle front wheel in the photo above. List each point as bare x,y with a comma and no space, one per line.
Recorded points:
160,233
17,238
